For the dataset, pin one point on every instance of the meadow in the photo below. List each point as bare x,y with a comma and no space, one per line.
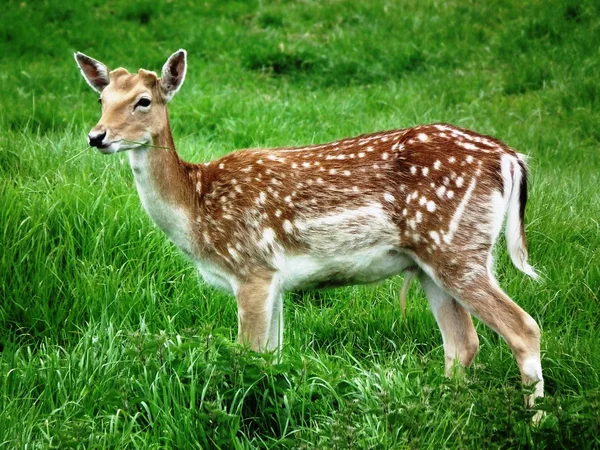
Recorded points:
110,339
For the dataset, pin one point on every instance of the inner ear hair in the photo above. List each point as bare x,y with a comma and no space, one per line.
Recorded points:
173,73
93,71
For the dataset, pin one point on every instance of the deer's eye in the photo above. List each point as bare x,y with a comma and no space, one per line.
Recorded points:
143,102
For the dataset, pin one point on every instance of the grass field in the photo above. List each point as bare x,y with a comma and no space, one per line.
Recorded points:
108,337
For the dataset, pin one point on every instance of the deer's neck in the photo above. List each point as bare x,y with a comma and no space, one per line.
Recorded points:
165,188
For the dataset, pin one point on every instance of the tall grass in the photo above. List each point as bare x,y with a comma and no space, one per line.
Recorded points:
109,339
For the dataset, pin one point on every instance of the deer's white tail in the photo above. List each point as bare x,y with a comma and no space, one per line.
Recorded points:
515,221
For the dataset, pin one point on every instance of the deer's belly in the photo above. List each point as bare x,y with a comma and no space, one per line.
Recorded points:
358,267
217,277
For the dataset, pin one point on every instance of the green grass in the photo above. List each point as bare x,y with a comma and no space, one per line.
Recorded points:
109,339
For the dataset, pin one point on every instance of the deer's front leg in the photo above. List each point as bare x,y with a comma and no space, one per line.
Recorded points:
260,312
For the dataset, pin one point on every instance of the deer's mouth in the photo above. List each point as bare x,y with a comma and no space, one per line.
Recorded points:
109,148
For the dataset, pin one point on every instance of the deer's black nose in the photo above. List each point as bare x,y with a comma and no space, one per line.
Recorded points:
95,139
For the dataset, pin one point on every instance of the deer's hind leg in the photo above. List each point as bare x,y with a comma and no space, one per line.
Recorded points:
458,334
260,312
473,285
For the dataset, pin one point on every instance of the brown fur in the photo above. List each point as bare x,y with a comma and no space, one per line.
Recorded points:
254,320
460,339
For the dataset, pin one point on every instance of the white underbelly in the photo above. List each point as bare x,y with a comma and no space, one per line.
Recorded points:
357,267
217,277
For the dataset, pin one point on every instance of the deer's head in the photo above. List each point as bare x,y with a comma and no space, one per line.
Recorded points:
134,105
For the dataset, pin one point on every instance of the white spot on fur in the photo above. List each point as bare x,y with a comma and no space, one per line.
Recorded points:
459,212
468,145
233,252
422,201
425,171
460,181
452,159
431,206
450,194
413,169
419,217
389,197
287,226
221,166
437,164
385,156
268,237
440,191
423,137
435,236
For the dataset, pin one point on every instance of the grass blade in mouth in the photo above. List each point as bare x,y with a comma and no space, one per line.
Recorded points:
146,144
78,154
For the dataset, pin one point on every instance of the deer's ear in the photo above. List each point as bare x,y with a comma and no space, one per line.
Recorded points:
94,72
173,74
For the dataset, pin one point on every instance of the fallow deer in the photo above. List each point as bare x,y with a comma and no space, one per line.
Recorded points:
429,199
